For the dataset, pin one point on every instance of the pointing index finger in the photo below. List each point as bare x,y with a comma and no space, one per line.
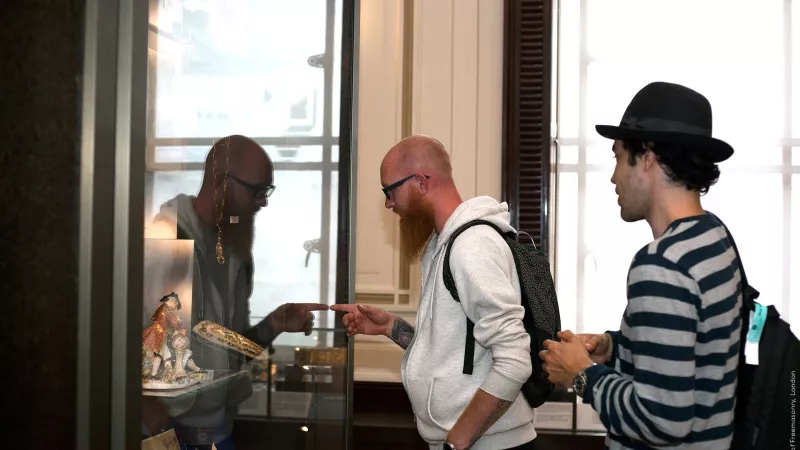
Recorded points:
313,306
344,307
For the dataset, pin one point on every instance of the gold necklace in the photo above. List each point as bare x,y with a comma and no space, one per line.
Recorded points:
220,254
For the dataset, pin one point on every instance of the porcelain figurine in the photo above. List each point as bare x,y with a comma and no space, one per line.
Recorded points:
166,359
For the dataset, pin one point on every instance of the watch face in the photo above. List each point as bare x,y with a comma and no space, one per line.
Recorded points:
579,384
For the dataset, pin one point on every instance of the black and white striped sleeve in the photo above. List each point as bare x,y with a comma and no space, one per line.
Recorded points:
656,343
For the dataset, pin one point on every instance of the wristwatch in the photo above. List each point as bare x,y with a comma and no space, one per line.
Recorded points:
448,446
579,383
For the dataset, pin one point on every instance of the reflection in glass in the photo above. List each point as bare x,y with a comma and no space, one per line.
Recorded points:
336,101
233,349
228,73
286,152
203,351
286,249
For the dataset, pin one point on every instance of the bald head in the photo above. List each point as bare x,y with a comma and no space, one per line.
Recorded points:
418,184
419,154
245,159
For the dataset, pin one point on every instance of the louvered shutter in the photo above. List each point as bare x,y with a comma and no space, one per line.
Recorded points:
527,109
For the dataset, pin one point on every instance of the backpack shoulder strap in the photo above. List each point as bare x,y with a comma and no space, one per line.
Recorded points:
749,293
450,284
449,281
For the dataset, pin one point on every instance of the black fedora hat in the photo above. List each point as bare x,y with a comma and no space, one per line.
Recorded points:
670,113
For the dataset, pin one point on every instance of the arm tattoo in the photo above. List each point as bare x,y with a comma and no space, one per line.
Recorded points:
501,409
402,333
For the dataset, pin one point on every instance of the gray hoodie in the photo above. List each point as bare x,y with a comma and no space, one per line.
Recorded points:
487,283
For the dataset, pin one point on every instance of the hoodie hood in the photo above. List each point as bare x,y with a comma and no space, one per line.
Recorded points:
485,208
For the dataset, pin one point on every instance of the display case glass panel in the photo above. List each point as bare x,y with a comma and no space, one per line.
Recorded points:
240,221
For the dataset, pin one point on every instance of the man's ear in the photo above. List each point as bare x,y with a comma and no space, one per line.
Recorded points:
649,158
423,183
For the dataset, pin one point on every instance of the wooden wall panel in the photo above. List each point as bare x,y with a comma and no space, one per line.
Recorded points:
453,87
380,120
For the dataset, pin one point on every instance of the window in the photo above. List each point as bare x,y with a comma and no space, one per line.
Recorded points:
269,71
608,50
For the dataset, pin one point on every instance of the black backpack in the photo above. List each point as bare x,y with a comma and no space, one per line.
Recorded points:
766,394
542,319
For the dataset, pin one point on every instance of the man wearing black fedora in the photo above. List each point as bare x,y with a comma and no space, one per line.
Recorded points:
667,377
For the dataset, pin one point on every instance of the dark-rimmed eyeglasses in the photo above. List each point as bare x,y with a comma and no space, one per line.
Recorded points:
262,191
389,188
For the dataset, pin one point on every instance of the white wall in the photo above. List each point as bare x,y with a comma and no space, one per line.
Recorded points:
454,69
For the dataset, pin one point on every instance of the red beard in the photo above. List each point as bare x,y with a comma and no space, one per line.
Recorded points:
416,226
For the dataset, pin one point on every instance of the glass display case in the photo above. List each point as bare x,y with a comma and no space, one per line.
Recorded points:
228,144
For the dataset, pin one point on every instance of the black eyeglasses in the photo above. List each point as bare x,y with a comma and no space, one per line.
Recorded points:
389,188
263,191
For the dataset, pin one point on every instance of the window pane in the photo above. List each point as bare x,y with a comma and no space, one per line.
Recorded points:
337,69
719,61
796,69
568,155
753,154
567,248
603,155
183,154
620,30
327,318
220,69
633,43
610,244
167,185
757,227
278,153
285,271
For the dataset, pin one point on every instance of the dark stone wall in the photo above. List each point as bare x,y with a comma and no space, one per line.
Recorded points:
40,69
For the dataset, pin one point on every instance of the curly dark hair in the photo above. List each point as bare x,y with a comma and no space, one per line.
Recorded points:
683,167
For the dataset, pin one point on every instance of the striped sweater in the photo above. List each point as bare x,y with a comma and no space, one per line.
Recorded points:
671,381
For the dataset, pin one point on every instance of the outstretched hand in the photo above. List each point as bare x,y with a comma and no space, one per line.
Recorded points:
295,317
364,319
